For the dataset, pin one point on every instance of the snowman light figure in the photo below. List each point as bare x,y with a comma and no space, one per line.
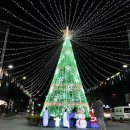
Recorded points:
81,122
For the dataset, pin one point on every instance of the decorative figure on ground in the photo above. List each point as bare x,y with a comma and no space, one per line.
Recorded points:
57,121
93,120
81,122
45,118
66,119
98,112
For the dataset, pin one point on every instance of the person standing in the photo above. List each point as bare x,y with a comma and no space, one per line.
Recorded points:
45,118
98,113
72,117
66,119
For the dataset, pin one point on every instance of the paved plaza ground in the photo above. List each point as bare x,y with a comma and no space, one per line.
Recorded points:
21,124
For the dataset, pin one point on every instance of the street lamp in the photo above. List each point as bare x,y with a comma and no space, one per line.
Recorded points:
24,78
125,66
8,80
10,66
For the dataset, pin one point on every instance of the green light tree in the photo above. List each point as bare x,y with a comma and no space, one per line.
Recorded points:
66,89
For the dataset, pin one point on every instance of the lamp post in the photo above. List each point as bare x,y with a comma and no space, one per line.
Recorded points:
3,54
7,82
31,105
30,100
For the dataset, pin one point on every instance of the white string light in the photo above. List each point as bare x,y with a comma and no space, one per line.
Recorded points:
101,51
27,30
62,14
42,82
37,64
75,11
34,16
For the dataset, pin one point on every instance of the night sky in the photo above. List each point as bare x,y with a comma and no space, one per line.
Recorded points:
100,39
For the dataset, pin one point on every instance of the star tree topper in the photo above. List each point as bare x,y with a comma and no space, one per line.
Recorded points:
67,32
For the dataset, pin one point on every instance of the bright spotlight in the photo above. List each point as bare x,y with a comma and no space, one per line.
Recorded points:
24,78
125,66
10,66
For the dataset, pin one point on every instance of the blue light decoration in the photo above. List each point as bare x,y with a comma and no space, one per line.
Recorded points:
94,125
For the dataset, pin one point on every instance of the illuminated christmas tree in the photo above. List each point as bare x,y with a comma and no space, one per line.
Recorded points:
66,89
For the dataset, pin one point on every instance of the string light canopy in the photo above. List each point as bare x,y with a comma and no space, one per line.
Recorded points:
100,39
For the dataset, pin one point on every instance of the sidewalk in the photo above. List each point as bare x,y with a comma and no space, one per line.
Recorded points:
14,116
21,124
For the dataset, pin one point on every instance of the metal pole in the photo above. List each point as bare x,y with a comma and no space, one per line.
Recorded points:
3,53
31,99
128,32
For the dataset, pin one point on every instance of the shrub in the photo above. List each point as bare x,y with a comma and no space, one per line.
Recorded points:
34,117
